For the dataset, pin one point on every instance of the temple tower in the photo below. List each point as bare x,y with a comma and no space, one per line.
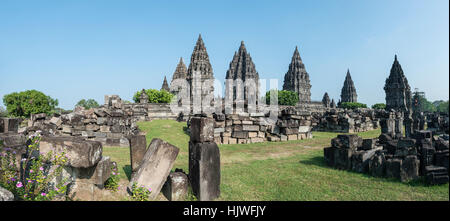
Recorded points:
398,92
165,85
297,79
348,92
242,68
326,100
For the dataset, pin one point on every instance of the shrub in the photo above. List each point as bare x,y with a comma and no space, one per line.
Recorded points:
35,181
3,112
140,193
379,106
443,107
352,105
155,96
88,104
289,98
23,104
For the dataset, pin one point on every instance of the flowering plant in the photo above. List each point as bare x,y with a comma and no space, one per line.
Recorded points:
140,193
36,176
112,183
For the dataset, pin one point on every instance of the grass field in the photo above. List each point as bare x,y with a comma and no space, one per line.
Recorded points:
280,171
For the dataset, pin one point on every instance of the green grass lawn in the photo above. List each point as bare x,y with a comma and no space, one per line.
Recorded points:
291,170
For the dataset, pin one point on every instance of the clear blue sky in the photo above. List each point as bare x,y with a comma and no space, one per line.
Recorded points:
85,49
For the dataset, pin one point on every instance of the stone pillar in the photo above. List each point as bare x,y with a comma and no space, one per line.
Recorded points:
138,146
204,159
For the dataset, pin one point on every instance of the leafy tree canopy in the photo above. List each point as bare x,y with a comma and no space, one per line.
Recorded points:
88,104
289,98
25,103
155,96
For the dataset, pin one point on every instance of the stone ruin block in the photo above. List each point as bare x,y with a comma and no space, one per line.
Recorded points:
204,170
81,153
2,126
435,175
377,165
5,195
441,158
9,125
361,160
202,129
250,127
409,169
393,167
155,166
328,153
351,141
368,144
176,186
240,134
138,146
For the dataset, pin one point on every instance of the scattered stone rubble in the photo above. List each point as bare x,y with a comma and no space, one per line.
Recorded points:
346,120
399,157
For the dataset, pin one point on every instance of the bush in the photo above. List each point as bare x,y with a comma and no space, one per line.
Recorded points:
379,106
140,193
443,107
23,104
88,104
289,98
112,183
37,185
352,105
155,96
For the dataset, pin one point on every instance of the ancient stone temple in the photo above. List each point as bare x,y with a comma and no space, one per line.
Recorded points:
332,104
165,85
398,92
348,92
242,68
200,65
297,79
180,71
326,100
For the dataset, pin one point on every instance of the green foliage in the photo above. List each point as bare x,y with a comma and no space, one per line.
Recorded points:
443,107
155,96
25,103
379,106
112,183
3,112
88,104
289,98
37,185
140,193
352,105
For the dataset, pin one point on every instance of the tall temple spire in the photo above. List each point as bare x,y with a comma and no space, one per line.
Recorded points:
297,79
326,100
200,64
398,91
348,92
243,68
165,86
180,71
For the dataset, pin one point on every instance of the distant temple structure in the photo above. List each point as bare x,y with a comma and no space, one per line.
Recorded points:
165,85
242,68
297,79
348,92
326,100
200,64
398,91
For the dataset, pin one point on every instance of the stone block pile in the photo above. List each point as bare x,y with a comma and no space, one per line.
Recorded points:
346,121
405,159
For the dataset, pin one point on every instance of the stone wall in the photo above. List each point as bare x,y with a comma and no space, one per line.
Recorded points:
346,121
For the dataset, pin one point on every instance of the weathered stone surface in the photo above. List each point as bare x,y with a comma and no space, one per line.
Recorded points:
81,153
361,160
409,169
10,125
436,175
204,170
377,165
138,146
297,79
240,134
348,92
155,166
393,167
176,186
56,121
5,195
342,158
202,129
250,127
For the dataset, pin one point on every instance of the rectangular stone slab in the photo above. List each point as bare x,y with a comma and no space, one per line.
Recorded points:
204,170
138,146
202,129
155,166
81,153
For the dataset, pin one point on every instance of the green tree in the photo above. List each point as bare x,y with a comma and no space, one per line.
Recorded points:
88,104
352,105
289,98
424,104
3,112
155,96
443,107
379,106
25,103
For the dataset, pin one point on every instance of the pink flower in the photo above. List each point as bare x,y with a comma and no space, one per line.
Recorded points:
31,171
57,189
19,184
43,194
114,173
41,168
